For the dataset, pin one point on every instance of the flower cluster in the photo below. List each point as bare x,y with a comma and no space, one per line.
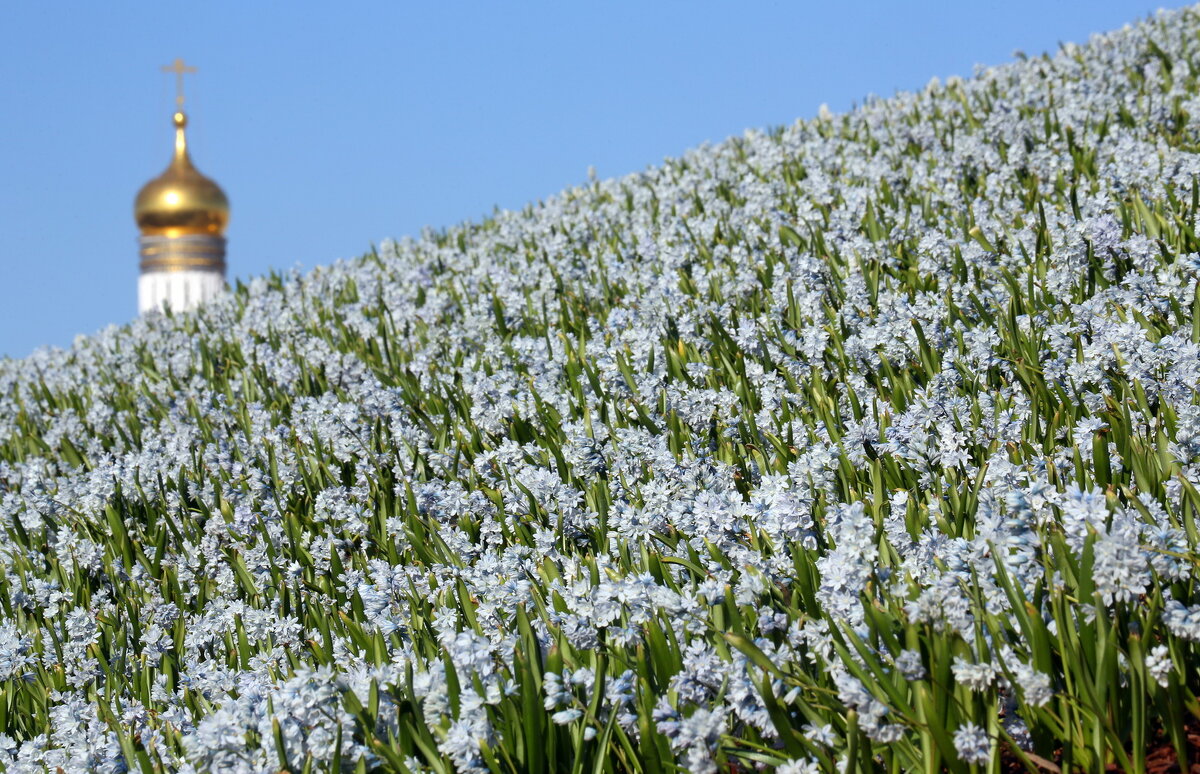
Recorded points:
872,440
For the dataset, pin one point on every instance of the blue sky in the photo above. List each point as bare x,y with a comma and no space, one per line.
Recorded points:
331,128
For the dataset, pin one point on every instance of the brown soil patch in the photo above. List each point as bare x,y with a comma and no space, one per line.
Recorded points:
1160,758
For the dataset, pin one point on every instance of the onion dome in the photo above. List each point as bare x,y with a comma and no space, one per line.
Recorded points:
181,201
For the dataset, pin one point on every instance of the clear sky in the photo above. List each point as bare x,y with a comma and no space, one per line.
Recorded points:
334,125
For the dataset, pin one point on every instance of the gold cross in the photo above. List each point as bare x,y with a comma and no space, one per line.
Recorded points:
179,68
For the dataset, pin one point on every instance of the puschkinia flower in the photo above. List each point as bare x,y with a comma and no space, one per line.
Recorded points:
749,458
972,743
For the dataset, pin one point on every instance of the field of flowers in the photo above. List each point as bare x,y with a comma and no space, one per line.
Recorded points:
869,443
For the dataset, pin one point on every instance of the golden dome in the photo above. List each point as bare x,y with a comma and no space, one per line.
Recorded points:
181,200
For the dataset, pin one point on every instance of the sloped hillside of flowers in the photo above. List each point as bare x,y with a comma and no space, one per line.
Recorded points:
869,443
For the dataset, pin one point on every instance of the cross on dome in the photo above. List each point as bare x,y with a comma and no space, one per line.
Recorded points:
179,68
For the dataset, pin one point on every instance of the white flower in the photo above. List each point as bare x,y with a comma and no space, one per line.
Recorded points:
1034,685
799,766
563,717
910,665
977,677
972,744
1159,665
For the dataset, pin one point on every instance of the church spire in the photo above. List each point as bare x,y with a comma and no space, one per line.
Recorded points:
182,216
180,119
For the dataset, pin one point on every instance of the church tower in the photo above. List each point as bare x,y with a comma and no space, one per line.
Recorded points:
182,216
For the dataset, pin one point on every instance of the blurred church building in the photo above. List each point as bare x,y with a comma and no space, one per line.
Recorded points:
182,216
